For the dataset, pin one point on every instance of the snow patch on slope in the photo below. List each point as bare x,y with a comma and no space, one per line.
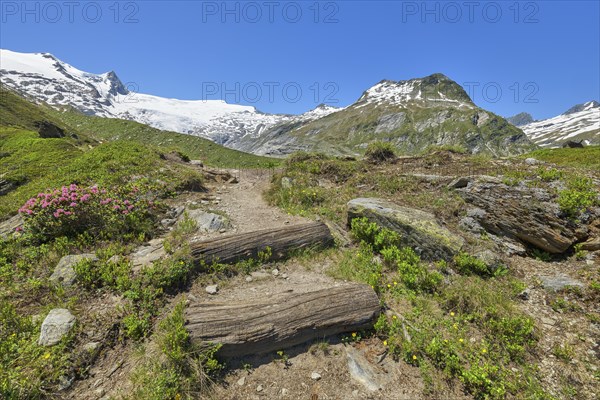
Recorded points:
566,126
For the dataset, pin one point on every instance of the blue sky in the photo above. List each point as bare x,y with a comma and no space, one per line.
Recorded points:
289,56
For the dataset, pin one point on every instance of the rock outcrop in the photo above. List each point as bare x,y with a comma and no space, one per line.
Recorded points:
522,213
419,229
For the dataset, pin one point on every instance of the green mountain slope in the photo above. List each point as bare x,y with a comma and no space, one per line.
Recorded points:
412,115
93,151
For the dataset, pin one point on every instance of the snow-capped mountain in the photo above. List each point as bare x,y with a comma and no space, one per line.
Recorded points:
412,114
579,123
416,91
44,78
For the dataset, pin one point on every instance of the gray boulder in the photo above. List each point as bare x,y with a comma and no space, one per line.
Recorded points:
418,229
9,226
57,324
559,282
148,253
208,222
64,272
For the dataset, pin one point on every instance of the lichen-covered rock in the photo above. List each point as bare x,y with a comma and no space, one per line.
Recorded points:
56,325
64,272
492,260
418,229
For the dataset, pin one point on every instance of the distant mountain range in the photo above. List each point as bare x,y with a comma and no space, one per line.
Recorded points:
579,123
411,114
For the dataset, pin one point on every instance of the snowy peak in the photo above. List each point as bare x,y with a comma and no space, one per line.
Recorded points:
432,89
582,107
115,84
320,111
579,123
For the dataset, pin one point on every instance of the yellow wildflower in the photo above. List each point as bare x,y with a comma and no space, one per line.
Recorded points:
353,334
393,317
452,313
385,342
461,340
46,356
484,351
414,357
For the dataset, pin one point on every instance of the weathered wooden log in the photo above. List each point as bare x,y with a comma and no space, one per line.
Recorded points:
282,321
282,242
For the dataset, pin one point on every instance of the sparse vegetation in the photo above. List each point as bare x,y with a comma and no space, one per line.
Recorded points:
178,369
468,328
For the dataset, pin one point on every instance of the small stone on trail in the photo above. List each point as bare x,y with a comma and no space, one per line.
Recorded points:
315,376
248,279
91,346
259,388
241,381
212,289
531,161
275,272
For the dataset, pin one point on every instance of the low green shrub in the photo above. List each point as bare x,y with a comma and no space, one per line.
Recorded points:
580,194
378,152
369,232
468,264
549,174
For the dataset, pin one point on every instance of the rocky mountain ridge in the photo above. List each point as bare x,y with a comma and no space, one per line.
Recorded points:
412,114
